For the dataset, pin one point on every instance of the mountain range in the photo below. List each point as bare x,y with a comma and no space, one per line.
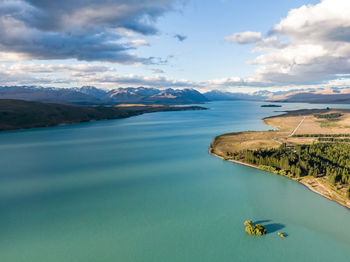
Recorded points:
217,95
90,95
319,96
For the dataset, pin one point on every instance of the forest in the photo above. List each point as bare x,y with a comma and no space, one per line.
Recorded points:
318,159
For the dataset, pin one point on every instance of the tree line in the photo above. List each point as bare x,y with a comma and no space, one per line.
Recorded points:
332,139
330,116
321,135
318,159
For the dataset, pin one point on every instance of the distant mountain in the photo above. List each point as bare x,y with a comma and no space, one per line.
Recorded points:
92,91
53,95
217,95
153,95
325,95
90,95
185,96
131,94
335,96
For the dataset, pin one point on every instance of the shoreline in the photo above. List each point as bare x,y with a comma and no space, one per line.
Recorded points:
16,115
308,186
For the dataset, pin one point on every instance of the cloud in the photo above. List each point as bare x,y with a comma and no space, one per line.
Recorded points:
244,38
68,75
83,30
327,21
56,68
309,47
317,50
138,42
269,43
101,75
81,74
42,74
181,38
157,71
148,81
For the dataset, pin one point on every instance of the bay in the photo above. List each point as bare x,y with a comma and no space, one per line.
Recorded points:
146,189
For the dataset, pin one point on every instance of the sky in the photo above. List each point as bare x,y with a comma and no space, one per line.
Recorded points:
228,45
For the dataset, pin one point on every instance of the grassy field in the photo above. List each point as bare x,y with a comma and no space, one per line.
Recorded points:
249,140
285,124
18,114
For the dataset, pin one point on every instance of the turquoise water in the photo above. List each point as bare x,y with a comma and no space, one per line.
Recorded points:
145,189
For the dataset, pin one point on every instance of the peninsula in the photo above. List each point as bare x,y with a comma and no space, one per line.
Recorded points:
308,146
19,114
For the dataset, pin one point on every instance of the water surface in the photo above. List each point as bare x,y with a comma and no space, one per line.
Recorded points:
145,189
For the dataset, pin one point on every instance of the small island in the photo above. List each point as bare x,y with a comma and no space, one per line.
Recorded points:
257,229
270,106
281,235
311,146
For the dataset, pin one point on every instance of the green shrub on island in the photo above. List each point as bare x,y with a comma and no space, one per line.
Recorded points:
257,229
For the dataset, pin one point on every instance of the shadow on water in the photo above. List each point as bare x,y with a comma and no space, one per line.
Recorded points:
273,227
270,227
262,221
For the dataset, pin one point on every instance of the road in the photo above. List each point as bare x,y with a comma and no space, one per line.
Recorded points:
291,134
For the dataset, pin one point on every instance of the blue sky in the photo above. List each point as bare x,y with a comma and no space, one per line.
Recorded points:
204,55
222,44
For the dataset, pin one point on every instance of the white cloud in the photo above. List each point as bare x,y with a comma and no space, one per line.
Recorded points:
63,75
327,21
82,74
269,43
138,42
54,68
318,48
12,57
244,37
43,74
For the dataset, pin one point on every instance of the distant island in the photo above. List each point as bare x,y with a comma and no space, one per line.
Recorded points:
310,146
18,114
270,106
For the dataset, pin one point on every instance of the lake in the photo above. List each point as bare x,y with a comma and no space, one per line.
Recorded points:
145,189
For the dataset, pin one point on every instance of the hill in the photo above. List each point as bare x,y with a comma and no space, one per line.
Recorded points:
332,96
19,114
